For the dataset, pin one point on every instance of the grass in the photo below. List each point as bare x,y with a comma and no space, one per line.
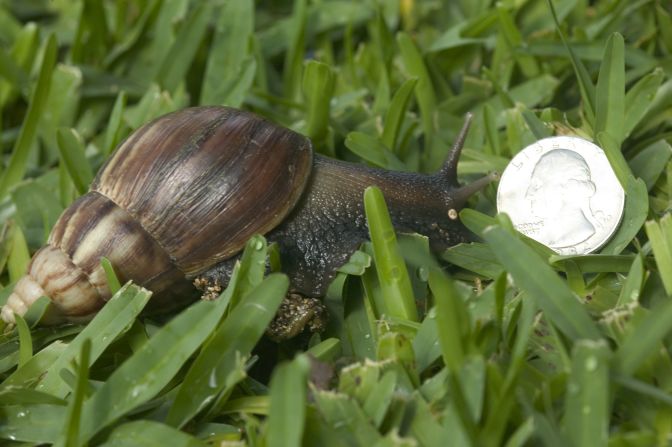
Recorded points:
510,345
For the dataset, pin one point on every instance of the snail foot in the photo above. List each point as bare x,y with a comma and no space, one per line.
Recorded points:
210,289
296,314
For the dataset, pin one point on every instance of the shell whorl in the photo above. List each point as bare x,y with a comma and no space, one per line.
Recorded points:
68,268
179,195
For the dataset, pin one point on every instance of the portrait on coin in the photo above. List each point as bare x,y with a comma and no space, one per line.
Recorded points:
559,196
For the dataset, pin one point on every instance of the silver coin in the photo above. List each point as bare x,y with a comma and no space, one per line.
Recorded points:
562,192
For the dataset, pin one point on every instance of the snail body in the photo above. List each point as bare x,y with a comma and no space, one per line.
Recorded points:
180,197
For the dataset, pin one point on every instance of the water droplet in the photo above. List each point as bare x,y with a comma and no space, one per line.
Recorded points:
423,274
258,245
388,235
212,381
21,414
591,364
137,390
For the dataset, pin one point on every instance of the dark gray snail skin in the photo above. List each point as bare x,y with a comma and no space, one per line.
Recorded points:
176,202
328,224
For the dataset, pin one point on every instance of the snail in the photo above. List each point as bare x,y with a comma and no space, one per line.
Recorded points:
179,198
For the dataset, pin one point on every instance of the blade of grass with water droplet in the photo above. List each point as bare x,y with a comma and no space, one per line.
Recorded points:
21,150
152,366
38,423
390,266
112,320
235,337
252,269
587,404
287,413
532,274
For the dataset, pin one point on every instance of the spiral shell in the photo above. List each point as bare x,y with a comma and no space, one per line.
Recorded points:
179,195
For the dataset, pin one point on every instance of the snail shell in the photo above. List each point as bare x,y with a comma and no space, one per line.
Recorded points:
181,194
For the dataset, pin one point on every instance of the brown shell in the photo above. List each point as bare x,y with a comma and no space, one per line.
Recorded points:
202,181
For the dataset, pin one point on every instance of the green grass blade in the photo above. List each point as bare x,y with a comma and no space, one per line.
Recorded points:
152,366
111,321
373,150
318,87
639,98
35,424
390,266
582,76
587,404
394,117
424,92
612,149
235,337
343,415
287,414
143,433
115,124
296,41
19,255
634,215
71,149
25,340
21,151
610,91
451,320
112,280
532,274
632,286
378,401
229,53
178,60
645,339
35,367
660,236
71,434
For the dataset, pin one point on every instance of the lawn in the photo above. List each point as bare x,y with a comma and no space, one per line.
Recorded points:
494,342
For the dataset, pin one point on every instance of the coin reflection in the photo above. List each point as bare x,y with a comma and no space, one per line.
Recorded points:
559,195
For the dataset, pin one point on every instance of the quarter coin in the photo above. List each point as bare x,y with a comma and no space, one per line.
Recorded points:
562,192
